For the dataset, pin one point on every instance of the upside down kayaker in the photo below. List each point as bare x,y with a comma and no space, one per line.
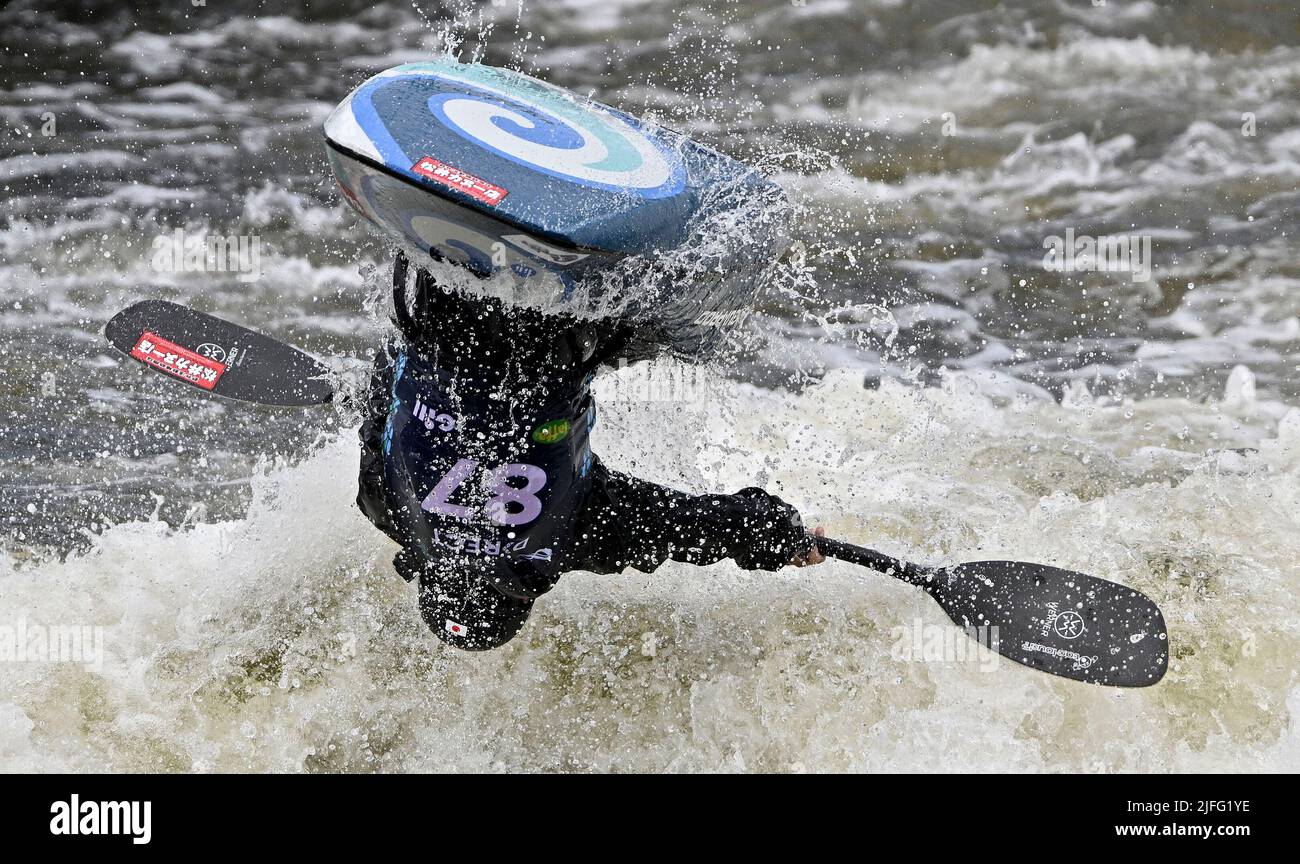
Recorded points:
475,450
618,241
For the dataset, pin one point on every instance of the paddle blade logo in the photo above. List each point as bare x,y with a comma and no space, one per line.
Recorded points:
1069,625
1065,623
166,356
213,351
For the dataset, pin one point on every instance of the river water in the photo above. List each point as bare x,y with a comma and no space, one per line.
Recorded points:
916,378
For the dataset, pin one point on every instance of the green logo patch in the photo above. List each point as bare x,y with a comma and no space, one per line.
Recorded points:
551,432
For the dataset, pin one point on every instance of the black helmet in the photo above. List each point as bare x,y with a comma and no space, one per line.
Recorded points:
460,607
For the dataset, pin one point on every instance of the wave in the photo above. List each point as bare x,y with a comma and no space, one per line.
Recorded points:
283,641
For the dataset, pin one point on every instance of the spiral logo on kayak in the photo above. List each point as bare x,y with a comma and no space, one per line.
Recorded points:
547,129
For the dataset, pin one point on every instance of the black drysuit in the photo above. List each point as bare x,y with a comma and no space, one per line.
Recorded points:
475,458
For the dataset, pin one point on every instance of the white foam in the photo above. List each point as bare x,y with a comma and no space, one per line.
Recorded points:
284,642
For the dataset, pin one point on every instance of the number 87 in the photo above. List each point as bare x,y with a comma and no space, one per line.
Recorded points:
500,493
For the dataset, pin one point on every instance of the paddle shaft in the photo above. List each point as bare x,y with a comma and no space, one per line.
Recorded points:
913,574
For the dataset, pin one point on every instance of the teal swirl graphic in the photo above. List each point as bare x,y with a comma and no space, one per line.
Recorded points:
550,130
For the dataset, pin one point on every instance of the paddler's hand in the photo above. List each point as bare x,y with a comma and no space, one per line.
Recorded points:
813,555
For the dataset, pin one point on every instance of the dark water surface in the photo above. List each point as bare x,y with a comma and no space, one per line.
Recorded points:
923,248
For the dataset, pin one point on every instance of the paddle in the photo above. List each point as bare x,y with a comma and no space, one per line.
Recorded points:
1058,621
1054,620
218,357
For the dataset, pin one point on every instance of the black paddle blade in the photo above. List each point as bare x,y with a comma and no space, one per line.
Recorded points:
218,357
1059,621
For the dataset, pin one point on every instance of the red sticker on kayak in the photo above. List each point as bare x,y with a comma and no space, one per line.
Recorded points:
461,181
178,362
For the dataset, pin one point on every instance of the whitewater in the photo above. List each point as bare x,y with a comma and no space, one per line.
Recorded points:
283,641
915,380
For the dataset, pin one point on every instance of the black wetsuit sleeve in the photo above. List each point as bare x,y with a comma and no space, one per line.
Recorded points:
627,522
372,496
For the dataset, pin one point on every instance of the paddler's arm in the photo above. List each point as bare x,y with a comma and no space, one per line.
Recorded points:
629,522
813,555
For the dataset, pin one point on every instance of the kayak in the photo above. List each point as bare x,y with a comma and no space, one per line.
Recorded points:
573,201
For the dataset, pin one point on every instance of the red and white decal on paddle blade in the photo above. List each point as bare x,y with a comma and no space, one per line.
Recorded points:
177,361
